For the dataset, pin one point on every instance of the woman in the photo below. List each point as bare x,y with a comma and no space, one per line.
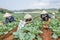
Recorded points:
27,19
54,16
8,18
45,18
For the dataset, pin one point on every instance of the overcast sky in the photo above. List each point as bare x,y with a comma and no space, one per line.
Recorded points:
29,4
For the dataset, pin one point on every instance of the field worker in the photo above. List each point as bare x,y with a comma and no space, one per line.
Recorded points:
8,18
53,15
27,19
45,18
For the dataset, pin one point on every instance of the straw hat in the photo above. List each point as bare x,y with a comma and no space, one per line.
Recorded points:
53,13
7,15
44,12
27,16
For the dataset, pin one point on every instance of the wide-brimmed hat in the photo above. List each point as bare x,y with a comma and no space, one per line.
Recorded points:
7,15
44,12
27,16
53,13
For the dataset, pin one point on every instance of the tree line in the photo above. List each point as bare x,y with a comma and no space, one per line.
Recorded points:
5,10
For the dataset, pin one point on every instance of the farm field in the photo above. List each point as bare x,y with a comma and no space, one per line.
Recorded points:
27,34
29,19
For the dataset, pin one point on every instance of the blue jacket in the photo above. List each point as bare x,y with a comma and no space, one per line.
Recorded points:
9,19
43,16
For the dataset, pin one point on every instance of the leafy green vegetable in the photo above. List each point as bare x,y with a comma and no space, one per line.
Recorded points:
55,26
29,31
4,29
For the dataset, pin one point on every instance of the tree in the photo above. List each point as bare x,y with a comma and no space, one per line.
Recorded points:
5,10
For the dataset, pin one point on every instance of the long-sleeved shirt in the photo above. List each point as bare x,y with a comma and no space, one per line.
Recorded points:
21,24
9,19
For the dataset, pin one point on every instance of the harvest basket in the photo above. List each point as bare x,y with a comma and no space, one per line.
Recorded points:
45,24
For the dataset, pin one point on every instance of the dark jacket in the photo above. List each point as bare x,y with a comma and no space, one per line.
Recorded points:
43,16
9,19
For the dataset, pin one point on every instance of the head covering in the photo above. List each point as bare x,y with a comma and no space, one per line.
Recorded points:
53,13
27,16
7,15
44,12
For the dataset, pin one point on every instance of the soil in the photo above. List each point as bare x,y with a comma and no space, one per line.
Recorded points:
10,37
58,38
47,34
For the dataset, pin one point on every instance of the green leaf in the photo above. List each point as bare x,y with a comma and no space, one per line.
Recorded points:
55,36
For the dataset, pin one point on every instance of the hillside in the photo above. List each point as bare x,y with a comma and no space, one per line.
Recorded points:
3,10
